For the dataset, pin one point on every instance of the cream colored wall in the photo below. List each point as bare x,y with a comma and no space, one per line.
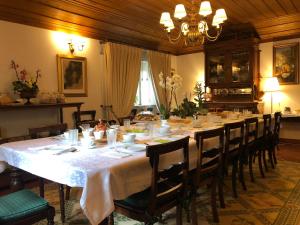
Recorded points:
34,48
289,95
191,68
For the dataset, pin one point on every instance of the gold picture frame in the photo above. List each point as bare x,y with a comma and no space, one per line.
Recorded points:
286,63
72,75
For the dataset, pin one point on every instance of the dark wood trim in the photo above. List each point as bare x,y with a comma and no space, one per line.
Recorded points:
290,141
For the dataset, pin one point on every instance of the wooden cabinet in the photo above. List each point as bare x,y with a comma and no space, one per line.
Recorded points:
232,70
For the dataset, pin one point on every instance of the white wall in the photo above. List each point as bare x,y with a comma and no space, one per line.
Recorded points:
34,48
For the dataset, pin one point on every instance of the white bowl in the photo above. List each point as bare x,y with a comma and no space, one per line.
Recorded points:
164,130
129,138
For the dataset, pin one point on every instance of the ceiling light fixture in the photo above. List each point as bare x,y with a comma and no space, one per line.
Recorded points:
193,24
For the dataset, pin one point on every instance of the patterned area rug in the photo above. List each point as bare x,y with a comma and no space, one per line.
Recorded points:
272,200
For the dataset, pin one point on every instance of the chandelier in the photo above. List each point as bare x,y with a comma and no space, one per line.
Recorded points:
193,24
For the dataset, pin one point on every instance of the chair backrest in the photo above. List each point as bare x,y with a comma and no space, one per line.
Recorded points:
47,131
12,139
173,178
121,120
276,131
235,142
251,130
133,113
267,125
85,117
209,160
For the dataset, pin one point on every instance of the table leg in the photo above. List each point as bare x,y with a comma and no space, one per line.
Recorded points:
61,115
62,202
16,182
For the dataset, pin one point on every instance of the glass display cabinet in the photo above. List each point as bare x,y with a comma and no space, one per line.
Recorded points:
232,71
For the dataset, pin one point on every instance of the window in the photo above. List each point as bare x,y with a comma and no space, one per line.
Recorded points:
145,93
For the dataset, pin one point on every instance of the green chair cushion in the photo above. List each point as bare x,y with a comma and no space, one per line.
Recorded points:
139,200
20,204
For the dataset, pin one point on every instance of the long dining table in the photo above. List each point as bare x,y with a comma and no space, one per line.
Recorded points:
104,173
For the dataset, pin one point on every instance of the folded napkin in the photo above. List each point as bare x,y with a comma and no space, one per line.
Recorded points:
54,149
117,154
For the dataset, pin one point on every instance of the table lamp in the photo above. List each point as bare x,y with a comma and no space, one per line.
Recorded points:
271,85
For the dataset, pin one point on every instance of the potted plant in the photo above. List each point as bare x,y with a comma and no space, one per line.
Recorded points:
25,86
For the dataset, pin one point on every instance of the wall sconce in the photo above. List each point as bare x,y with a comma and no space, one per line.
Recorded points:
79,44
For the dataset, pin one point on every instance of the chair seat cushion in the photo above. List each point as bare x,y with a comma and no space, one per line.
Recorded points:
20,204
140,200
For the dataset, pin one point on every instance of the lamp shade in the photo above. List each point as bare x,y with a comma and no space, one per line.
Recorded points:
221,14
179,11
271,84
205,8
165,18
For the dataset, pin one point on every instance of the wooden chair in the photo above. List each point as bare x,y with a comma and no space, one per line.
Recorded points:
209,169
251,147
276,133
49,131
121,120
23,208
234,136
265,142
167,189
79,120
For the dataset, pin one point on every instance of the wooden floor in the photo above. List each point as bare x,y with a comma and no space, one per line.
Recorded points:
289,152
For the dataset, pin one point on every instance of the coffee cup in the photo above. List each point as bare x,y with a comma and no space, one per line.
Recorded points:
129,138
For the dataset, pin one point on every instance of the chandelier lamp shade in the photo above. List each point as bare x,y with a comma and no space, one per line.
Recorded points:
193,25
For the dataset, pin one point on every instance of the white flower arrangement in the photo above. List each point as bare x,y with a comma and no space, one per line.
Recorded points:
170,84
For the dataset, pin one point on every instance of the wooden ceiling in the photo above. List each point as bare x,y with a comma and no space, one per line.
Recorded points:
136,22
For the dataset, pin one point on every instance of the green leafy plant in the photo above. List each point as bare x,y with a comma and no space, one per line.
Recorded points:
199,94
186,108
164,112
24,83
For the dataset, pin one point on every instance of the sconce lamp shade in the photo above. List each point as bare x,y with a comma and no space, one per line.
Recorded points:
271,84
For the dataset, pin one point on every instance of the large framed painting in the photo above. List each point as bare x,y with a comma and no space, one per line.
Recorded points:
285,63
72,75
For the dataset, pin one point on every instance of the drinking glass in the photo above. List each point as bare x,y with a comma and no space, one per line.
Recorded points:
126,123
111,135
73,136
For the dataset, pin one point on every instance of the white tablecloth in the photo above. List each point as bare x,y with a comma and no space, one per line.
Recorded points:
103,178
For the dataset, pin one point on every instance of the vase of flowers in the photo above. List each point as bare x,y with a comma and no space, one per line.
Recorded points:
170,84
25,85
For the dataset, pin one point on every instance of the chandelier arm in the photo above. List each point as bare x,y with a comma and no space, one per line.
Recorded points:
213,38
175,39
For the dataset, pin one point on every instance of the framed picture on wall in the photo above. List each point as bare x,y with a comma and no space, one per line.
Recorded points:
72,75
285,63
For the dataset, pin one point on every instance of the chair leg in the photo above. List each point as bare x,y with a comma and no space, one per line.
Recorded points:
111,219
233,178
221,193
42,187
213,199
194,209
260,155
179,215
264,159
62,202
241,174
274,154
250,166
50,216
68,190
270,153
